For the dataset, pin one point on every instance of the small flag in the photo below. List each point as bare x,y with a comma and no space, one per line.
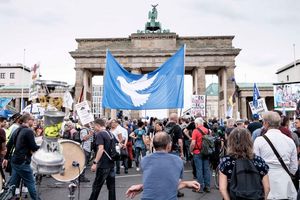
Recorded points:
256,96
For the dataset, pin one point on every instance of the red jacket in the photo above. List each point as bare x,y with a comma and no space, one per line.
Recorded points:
197,136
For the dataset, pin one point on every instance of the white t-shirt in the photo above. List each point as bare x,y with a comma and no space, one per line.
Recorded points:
120,130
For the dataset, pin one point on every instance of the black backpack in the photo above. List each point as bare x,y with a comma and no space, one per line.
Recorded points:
112,153
170,130
245,182
76,136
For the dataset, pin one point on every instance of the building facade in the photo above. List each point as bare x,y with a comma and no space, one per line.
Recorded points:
289,73
144,52
97,100
13,77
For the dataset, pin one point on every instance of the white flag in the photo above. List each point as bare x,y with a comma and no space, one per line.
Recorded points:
68,100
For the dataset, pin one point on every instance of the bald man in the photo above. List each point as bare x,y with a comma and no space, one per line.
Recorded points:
163,183
174,130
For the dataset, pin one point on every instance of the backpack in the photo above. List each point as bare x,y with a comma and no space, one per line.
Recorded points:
208,144
66,135
113,152
76,136
245,182
170,131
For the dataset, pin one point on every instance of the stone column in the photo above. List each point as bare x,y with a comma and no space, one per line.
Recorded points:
230,89
18,104
201,86
135,114
113,113
173,111
88,86
243,108
78,84
222,103
194,76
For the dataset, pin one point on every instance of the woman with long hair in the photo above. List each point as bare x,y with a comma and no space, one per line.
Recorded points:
240,146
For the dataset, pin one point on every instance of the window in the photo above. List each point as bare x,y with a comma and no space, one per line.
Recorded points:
2,75
287,78
12,75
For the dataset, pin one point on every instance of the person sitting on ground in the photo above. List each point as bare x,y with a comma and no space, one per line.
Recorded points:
163,183
240,146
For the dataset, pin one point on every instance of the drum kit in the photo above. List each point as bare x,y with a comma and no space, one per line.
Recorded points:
64,160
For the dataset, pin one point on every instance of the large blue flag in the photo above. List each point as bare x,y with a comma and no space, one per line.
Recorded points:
160,89
4,101
256,95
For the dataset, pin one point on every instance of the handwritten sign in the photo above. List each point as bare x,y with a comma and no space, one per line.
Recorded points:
84,112
198,105
261,107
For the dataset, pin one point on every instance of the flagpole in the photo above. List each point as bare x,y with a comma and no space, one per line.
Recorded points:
294,47
184,52
22,84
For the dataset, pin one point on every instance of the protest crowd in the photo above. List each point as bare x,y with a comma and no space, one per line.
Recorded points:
258,157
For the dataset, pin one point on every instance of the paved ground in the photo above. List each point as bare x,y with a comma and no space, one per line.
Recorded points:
50,189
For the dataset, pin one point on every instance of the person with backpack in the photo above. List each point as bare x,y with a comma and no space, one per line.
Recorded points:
280,153
23,145
139,135
201,160
174,130
242,174
103,163
86,136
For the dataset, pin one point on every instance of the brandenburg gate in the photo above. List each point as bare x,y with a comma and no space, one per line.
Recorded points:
144,51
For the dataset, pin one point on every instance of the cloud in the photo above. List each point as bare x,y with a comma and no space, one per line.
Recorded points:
222,9
30,13
5,1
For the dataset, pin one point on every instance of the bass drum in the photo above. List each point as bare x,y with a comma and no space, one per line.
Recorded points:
1,183
72,153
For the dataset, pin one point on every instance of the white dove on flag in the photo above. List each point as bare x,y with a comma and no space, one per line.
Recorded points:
131,88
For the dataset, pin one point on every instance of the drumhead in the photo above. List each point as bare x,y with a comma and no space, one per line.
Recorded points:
1,182
72,152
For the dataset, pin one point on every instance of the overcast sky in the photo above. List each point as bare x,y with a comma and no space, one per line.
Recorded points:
264,30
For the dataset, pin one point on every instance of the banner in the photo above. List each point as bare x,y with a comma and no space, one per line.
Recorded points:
35,75
256,95
198,105
260,108
160,89
84,112
287,97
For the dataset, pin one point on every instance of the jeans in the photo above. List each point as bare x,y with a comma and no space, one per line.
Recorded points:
87,159
124,160
138,151
24,172
203,171
107,174
186,150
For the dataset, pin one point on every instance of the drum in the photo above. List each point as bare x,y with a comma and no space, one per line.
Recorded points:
72,153
1,183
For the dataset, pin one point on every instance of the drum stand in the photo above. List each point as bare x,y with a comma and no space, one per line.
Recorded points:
72,188
75,183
